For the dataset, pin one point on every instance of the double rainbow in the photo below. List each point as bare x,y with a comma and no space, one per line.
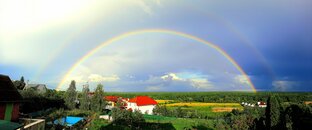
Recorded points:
163,31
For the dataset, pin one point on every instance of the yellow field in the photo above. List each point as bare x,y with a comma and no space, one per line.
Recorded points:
204,104
163,101
308,102
224,109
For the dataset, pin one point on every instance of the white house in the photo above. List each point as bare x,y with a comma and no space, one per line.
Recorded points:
144,104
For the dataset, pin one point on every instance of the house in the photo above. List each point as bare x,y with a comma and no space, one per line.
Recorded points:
113,100
90,94
9,100
261,104
40,88
144,104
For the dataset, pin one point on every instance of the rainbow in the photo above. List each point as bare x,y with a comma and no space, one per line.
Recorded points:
164,31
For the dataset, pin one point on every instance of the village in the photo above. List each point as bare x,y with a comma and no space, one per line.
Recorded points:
113,109
11,100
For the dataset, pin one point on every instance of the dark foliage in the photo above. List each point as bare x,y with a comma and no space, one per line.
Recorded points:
34,104
19,84
144,126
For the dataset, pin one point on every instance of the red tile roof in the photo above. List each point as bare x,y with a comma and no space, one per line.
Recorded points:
143,100
111,98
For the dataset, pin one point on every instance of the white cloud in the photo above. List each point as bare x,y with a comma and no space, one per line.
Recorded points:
141,3
158,2
100,78
154,88
283,85
197,81
77,78
170,77
201,83
242,79
95,78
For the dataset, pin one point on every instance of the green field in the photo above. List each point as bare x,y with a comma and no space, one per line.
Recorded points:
199,110
180,123
219,97
159,122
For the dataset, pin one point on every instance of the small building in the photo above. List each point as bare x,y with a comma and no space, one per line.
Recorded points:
261,104
113,100
90,94
144,104
9,100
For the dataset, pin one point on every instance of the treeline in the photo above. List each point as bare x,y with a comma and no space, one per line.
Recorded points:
277,115
286,117
219,97
34,101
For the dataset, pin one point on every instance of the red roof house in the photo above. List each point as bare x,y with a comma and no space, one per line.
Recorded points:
143,101
111,98
144,104
112,101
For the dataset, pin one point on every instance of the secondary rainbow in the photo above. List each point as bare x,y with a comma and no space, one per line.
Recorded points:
164,31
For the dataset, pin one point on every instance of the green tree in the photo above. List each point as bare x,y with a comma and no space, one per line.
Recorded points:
97,101
29,93
19,84
22,79
137,117
162,110
85,100
272,112
70,95
297,116
126,117
178,112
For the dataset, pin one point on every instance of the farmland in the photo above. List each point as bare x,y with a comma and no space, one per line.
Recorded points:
191,110
219,110
205,110
219,97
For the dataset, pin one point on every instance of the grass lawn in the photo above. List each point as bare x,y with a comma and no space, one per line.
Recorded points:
180,123
157,122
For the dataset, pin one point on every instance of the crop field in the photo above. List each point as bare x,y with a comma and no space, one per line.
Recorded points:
308,102
164,101
206,110
223,109
199,104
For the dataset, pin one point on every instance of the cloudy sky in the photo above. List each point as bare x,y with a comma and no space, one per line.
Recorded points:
271,40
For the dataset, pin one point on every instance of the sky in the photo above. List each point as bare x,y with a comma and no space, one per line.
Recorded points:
262,45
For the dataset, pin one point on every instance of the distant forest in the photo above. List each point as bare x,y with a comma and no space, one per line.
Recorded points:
220,97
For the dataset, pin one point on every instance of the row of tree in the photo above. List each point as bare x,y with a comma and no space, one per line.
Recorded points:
87,101
277,115
220,97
